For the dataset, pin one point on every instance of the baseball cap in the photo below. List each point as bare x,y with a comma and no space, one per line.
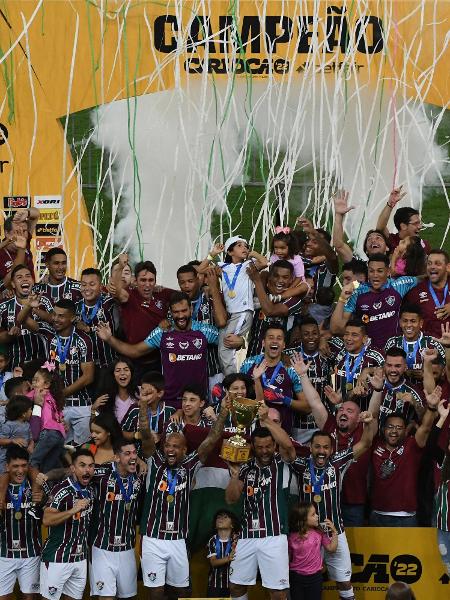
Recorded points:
232,240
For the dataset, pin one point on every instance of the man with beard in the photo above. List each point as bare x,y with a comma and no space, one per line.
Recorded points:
376,303
280,385
22,341
357,356
183,348
320,480
280,278
346,429
207,308
68,516
433,294
264,483
395,466
414,342
71,352
398,396
164,522
112,571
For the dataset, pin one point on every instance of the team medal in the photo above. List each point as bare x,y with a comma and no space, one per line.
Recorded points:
387,467
62,367
128,506
231,284
231,294
317,498
349,386
170,498
18,515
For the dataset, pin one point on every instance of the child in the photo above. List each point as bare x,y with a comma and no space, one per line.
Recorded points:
284,247
221,548
191,412
152,389
237,289
48,427
408,258
305,551
16,428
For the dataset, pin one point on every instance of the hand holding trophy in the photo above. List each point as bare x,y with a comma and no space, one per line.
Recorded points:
243,412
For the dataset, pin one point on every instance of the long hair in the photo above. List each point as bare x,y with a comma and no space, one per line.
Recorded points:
298,518
56,386
109,423
109,385
415,257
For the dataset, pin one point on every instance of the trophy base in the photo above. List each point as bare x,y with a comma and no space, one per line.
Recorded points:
235,454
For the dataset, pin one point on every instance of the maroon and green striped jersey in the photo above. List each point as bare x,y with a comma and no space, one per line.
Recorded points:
157,421
166,508
442,506
20,538
329,506
105,312
218,577
69,289
266,493
27,345
68,542
114,525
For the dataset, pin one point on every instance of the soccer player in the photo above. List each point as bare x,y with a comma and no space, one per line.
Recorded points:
71,351
58,286
356,356
377,303
183,348
23,342
20,532
346,429
280,278
263,481
142,307
399,396
433,294
112,569
68,515
95,307
164,520
280,385
320,481
413,341
395,467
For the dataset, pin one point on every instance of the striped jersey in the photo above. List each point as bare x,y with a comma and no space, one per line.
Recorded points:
442,506
163,519
68,542
69,289
319,373
266,493
26,346
157,421
394,399
260,322
329,506
79,352
203,311
319,273
415,349
114,525
106,312
19,538
218,577
436,450
173,427
372,357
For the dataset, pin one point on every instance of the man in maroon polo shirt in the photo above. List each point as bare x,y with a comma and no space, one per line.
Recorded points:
346,430
433,294
143,307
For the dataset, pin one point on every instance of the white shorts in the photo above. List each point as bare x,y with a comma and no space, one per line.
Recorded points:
113,573
339,563
270,554
63,578
164,561
24,570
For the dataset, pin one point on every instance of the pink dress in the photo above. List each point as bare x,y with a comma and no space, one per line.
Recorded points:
305,556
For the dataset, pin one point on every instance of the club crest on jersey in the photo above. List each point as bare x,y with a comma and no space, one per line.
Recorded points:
152,576
390,300
52,590
377,305
280,378
423,296
67,296
183,345
330,471
159,304
35,587
99,585
198,342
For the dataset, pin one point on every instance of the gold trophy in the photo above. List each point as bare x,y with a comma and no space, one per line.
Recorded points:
243,411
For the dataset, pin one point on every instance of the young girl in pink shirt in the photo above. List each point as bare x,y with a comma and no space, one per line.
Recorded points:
47,421
305,551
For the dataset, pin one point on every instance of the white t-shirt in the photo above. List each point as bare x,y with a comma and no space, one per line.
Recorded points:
243,287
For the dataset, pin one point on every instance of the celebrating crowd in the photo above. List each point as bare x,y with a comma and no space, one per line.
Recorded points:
116,395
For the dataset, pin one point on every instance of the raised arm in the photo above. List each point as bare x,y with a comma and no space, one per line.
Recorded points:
429,416
370,429
318,409
394,197
147,439
340,316
235,485
444,340
131,350
341,208
219,310
215,433
120,293
281,438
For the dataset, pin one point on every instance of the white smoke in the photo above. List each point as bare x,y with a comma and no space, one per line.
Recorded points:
187,147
